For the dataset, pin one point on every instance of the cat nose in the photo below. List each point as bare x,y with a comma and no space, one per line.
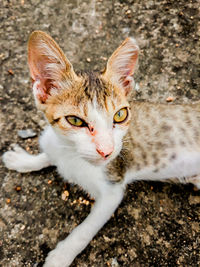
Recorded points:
104,154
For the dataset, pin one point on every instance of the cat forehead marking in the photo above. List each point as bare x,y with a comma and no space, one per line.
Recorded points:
95,88
90,88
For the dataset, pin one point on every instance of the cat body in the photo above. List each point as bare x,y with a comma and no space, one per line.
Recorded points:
100,139
157,146
164,142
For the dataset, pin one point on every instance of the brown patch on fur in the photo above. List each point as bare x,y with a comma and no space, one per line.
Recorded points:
155,158
164,165
165,127
196,133
182,143
117,168
173,156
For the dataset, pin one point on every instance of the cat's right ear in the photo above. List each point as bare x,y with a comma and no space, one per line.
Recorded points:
50,70
122,64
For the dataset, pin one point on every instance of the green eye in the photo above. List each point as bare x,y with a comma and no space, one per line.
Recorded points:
121,115
75,121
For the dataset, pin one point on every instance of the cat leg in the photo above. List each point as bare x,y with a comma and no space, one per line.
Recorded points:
19,160
68,249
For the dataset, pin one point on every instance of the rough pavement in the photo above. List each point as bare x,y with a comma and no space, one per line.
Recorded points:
157,224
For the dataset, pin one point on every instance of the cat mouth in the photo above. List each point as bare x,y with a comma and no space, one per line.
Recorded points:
98,161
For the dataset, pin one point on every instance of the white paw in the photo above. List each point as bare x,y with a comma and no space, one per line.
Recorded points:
59,257
17,159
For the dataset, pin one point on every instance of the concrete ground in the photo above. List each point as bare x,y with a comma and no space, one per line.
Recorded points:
157,224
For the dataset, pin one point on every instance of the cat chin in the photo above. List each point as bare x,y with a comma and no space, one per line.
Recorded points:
98,162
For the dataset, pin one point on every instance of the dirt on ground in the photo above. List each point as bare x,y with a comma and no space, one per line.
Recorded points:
157,224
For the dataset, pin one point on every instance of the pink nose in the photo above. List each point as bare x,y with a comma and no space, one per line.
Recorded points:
104,154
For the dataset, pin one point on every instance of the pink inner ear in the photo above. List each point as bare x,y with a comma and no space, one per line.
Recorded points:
42,89
43,84
126,83
132,64
126,80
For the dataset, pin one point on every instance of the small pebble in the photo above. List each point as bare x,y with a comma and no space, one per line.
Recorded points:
65,195
10,72
8,200
170,99
18,188
28,133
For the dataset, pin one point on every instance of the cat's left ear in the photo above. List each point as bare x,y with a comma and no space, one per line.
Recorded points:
122,63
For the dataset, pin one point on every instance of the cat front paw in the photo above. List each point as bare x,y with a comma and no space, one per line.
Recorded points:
16,159
59,257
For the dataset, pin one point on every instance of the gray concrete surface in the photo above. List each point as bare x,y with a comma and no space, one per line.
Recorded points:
157,224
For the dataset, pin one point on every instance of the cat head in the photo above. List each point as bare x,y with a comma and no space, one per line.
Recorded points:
90,111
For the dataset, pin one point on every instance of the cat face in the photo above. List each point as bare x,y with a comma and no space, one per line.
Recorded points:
89,111
92,116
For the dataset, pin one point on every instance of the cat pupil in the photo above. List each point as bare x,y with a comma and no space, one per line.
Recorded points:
120,113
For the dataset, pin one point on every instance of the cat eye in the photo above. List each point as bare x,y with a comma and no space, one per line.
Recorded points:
121,115
75,121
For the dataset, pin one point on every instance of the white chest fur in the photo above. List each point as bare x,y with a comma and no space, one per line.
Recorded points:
70,165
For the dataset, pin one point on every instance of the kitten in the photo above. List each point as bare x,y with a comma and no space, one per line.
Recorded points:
99,138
